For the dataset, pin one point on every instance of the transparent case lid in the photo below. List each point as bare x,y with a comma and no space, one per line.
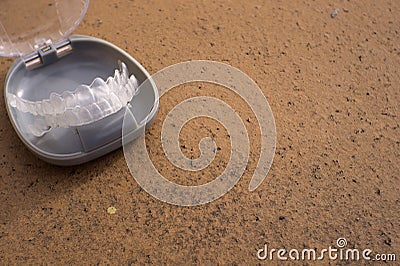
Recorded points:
26,25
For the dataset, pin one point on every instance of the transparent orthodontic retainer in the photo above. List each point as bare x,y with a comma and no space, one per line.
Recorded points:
66,96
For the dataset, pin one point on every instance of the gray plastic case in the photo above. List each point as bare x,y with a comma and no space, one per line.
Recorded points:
89,58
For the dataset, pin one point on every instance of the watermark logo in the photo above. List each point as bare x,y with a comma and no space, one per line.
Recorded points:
341,242
340,252
137,157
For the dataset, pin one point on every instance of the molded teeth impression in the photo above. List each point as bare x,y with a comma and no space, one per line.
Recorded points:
83,106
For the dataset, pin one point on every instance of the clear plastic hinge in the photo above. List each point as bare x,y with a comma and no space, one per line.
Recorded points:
47,54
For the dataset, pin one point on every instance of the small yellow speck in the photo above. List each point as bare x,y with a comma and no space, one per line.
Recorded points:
111,210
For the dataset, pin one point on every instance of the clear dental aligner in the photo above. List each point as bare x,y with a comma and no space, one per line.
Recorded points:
83,106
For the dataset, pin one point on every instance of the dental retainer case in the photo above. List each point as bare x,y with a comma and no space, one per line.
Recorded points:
58,92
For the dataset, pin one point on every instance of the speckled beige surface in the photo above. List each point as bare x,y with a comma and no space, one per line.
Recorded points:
333,85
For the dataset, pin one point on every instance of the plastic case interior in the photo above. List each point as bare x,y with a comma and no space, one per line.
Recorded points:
86,59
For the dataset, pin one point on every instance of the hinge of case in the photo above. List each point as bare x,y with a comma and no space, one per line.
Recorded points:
47,54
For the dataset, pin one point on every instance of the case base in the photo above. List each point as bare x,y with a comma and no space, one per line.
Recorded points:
90,58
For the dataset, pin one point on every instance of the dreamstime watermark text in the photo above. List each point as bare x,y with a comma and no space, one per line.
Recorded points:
338,252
